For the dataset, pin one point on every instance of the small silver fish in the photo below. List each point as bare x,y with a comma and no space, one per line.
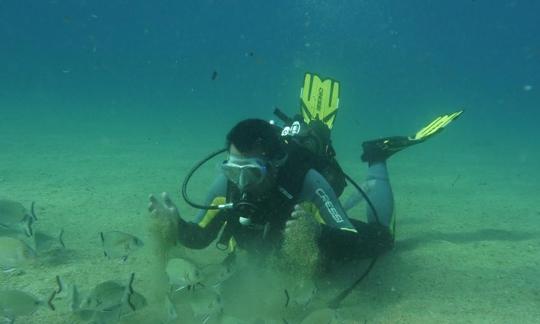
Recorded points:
207,306
118,244
14,253
67,291
182,274
110,299
215,274
205,303
44,242
109,294
15,218
15,303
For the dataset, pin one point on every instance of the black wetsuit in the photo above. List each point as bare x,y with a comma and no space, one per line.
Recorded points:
341,237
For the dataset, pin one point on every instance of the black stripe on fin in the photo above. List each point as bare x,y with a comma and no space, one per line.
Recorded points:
59,283
103,243
130,292
32,210
50,301
61,238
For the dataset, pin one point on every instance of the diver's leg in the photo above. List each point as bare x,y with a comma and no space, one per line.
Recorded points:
380,194
355,198
377,188
378,233
377,151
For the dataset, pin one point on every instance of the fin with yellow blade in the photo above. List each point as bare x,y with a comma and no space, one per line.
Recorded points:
319,100
382,148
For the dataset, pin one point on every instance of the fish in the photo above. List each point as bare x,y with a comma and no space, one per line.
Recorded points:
182,274
214,75
118,244
15,303
14,218
109,300
205,303
189,287
215,274
67,291
14,253
207,306
44,242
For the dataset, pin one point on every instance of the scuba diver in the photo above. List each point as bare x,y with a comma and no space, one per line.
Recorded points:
274,176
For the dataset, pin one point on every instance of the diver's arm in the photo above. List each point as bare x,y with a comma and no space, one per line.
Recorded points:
318,191
341,238
194,236
204,229
336,229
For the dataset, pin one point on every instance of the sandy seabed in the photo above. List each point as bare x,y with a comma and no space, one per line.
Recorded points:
467,248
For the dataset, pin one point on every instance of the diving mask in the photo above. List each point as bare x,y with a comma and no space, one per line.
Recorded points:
244,172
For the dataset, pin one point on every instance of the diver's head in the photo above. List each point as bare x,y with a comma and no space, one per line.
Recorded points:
255,151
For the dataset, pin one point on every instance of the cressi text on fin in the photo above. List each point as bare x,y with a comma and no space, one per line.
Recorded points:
319,99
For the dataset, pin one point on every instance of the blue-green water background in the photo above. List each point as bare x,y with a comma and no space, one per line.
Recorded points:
143,70
397,61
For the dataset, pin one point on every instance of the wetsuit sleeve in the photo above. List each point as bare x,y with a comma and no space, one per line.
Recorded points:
338,234
200,232
327,208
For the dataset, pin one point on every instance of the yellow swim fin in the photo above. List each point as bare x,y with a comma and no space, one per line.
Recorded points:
436,126
382,148
319,99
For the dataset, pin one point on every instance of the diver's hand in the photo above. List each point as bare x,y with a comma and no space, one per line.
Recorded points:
164,224
165,210
301,216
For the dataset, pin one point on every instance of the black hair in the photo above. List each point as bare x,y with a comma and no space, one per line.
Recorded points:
256,135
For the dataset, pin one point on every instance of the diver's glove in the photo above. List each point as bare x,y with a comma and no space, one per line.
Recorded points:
166,213
189,234
163,210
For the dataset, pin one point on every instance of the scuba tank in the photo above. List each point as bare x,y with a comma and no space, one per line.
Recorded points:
315,138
